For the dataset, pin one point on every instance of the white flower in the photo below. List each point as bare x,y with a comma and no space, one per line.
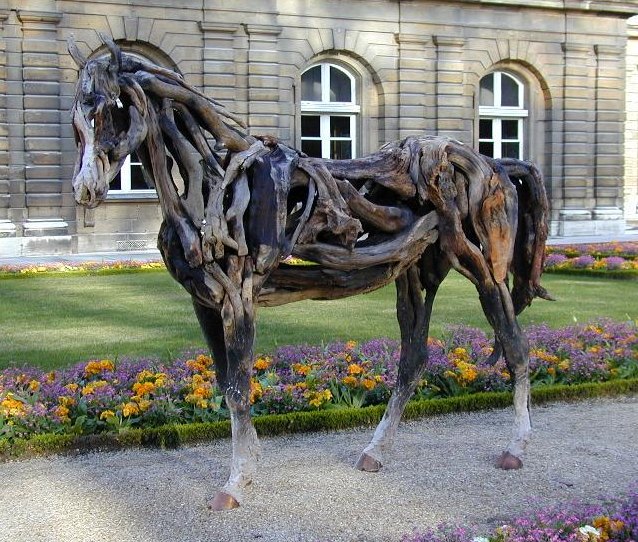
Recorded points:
588,530
480,539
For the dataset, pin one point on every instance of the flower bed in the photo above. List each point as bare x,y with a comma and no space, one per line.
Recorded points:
88,268
103,396
618,260
610,520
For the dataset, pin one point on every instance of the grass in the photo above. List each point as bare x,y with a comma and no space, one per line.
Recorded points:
57,321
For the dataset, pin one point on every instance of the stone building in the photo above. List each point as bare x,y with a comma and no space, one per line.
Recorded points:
542,80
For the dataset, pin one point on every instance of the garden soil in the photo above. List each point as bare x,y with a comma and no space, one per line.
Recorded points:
306,488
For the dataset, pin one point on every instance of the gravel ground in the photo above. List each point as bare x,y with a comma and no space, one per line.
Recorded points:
307,490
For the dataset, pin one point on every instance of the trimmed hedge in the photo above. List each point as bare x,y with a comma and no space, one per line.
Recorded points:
172,436
6,275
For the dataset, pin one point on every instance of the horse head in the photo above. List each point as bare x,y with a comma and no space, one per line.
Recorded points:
108,121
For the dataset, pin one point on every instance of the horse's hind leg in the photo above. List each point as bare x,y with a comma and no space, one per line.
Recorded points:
499,310
413,314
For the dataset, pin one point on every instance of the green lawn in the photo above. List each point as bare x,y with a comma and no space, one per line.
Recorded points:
57,321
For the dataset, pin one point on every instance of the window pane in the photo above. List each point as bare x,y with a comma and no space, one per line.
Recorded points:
137,178
340,150
311,85
486,148
339,126
511,150
311,148
485,129
509,129
310,126
486,94
116,183
340,86
509,92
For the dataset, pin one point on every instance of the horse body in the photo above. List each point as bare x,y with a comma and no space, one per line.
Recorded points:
408,213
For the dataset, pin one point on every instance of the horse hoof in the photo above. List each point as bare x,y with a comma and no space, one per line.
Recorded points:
223,501
507,461
368,463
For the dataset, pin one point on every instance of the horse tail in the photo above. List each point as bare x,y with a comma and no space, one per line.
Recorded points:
531,234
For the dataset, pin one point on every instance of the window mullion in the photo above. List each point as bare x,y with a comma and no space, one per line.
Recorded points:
325,82
125,175
325,135
497,89
498,139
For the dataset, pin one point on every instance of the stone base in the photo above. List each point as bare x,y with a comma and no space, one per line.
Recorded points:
115,242
7,229
11,247
605,222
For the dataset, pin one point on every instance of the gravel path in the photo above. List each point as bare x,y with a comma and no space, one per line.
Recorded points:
307,490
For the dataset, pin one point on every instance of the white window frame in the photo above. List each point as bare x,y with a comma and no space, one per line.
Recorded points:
326,109
497,113
125,190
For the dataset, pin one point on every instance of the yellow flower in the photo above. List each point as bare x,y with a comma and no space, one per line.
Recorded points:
51,377
318,398
354,369
351,345
92,386
66,401
144,404
563,365
368,383
301,369
11,406
160,379
144,375
34,386
467,372
62,412
350,381
130,409
256,391
72,387
98,367
262,363
143,388
107,415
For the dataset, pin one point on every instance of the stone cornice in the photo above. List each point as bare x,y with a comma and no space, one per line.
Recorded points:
416,39
617,7
577,48
50,17
609,52
219,28
448,41
273,30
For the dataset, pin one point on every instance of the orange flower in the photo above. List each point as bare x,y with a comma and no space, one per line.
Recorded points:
350,381
262,363
368,384
34,386
354,369
301,369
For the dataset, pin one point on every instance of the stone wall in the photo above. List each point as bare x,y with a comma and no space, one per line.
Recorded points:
418,65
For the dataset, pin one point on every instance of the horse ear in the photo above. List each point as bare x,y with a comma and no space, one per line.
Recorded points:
116,53
78,57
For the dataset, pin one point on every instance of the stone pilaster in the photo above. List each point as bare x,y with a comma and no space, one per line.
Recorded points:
415,90
263,81
41,95
220,78
7,227
609,158
579,139
454,111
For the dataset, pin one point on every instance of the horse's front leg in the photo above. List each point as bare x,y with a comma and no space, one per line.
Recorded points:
413,314
231,342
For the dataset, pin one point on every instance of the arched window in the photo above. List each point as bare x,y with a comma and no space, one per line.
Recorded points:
502,114
329,112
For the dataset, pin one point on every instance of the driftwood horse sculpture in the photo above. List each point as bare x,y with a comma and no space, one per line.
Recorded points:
408,213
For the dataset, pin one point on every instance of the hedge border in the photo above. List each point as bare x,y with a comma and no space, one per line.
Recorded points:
172,436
